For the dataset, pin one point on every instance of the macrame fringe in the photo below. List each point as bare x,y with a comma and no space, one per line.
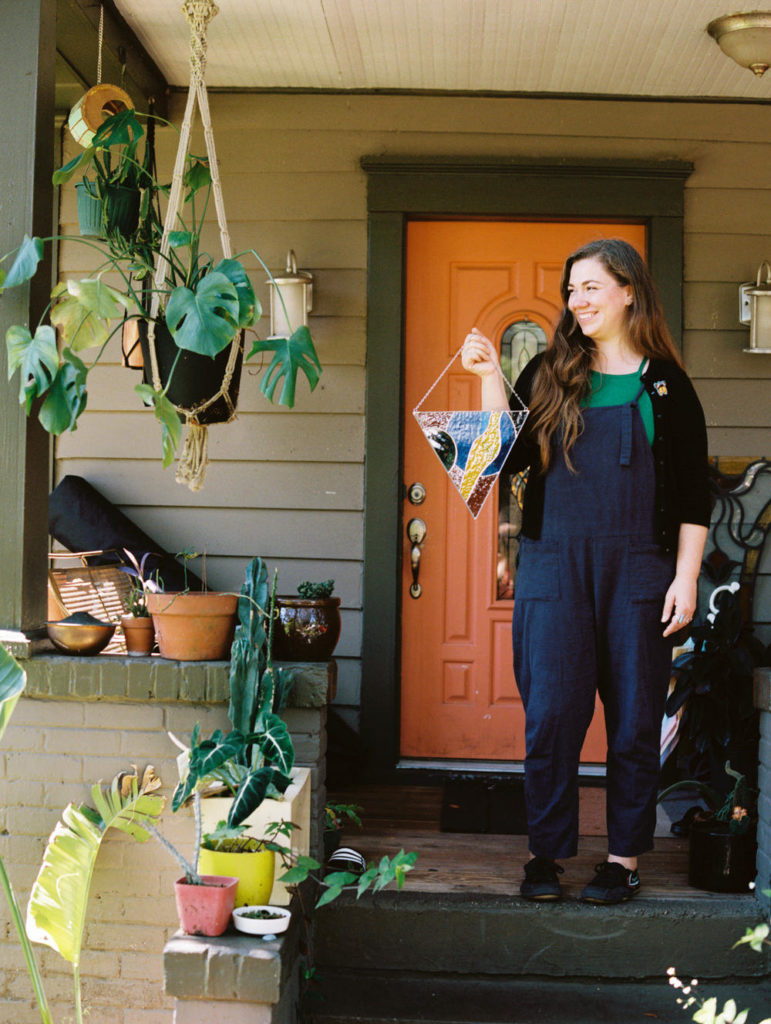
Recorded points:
191,469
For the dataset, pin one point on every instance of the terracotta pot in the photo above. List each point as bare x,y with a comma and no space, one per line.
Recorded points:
195,626
139,634
306,629
254,871
719,861
205,909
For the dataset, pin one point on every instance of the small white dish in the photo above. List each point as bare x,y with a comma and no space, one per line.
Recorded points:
273,925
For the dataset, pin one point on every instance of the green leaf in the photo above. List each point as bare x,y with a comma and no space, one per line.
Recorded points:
198,176
253,791
249,309
178,239
328,895
291,355
706,1013
99,298
167,416
294,876
57,905
275,742
204,321
36,358
24,266
13,679
121,129
83,159
66,397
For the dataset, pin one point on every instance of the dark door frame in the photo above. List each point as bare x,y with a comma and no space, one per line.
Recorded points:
400,189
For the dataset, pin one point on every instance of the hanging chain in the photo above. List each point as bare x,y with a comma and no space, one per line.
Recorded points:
99,46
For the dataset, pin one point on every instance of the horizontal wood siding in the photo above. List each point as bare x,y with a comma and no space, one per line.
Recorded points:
288,485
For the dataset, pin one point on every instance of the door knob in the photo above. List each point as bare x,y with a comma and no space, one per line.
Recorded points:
416,534
416,493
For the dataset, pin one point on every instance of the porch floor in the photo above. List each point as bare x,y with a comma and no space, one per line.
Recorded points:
407,817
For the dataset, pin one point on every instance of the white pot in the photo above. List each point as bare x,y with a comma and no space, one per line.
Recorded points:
261,925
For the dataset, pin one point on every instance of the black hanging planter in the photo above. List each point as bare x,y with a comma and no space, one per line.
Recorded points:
196,378
719,861
121,210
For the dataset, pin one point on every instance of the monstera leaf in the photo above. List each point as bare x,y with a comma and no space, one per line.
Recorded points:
37,360
249,309
66,398
204,320
56,912
83,311
290,356
24,266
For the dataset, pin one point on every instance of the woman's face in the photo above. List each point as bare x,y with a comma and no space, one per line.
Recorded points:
597,301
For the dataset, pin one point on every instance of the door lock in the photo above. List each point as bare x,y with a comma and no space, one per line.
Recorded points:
416,493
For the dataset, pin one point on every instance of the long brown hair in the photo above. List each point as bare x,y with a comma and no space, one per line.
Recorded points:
562,380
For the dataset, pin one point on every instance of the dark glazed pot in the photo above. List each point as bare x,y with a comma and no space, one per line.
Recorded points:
306,629
719,861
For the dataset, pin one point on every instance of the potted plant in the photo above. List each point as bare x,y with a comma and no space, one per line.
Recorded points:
335,817
203,308
137,623
308,626
229,851
193,625
721,848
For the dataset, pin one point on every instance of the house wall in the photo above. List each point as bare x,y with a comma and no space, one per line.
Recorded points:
289,485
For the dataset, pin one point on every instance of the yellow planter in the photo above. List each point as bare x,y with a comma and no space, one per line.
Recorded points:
254,872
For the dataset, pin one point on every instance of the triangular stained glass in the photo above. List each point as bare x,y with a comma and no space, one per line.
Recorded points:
473,446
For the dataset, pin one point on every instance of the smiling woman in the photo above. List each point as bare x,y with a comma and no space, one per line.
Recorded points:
612,540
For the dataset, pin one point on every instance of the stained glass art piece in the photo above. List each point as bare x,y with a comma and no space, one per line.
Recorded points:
472,446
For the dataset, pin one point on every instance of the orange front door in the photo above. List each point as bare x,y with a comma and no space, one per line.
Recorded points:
458,696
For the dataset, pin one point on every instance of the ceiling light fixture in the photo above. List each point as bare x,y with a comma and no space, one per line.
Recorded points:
745,38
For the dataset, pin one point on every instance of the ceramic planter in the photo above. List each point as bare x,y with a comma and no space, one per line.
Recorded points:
254,872
295,806
719,861
139,634
205,909
89,210
196,378
277,922
306,629
195,626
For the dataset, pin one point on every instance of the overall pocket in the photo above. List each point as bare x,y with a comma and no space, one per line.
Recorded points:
650,571
538,575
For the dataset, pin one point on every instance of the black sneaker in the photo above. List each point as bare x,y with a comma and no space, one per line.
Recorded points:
612,883
540,881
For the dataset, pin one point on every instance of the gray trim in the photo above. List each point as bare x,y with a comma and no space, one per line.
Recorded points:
400,188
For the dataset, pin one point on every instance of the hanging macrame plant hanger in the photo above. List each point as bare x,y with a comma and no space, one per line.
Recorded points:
219,407
471,444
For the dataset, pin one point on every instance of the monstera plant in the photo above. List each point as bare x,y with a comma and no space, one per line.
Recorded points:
203,304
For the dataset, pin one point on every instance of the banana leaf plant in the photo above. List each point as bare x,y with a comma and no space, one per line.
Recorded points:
203,303
254,760
13,679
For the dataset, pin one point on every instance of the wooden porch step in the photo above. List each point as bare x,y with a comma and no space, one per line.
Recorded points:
368,998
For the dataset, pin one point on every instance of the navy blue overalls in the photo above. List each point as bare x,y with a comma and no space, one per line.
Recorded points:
587,610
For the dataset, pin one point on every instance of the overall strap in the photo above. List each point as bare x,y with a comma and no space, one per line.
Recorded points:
627,417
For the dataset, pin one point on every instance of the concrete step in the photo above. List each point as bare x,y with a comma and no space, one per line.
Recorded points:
462,934
349,997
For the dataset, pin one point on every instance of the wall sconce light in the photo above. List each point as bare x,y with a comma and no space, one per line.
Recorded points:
296,287
745,38
755,310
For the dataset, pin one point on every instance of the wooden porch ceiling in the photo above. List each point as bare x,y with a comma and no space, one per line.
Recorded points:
591,47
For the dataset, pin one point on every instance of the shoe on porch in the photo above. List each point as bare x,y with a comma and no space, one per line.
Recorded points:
540,881
612,883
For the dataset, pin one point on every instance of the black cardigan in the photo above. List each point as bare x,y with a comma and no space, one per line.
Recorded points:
679,453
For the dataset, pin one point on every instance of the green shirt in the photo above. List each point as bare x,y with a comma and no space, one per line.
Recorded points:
618,389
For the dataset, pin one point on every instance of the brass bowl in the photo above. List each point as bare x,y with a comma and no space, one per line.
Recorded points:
80,634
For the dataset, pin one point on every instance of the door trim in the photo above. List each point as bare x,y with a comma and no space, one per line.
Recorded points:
400,189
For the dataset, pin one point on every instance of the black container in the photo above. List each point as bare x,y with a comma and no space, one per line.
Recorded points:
719,861
196,378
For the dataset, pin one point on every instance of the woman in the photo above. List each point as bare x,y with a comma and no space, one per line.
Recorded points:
614,521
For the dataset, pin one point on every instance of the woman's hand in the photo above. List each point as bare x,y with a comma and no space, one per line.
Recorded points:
680,603
479,355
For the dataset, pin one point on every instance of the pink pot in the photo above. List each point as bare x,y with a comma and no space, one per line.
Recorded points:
206,909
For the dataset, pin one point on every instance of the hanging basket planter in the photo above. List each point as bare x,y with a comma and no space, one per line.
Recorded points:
121,210
199,387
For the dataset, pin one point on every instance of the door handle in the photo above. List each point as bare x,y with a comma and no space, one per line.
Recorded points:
416,534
